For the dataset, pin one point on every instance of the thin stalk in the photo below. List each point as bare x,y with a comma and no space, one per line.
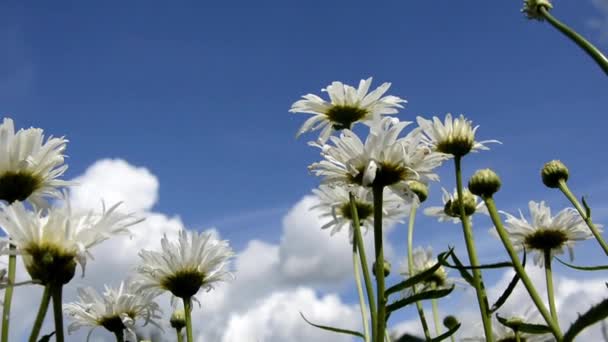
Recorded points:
188,313
44,306
57,311
180,337
410,265
387,336
549,278
504,237
120,337
482,297
362,305
517,337
596,233
363,258
436,315
379,249
583,43
8,293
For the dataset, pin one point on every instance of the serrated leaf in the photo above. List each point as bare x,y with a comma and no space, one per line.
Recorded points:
46,338
463,272
595,314
446,334
430,294
420,277
587,209
505,295
337,330
583,268
524,327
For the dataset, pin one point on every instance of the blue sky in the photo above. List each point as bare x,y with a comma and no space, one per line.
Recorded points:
198,93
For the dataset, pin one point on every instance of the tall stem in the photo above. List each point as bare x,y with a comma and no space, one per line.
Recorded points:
363,258
379,249
583,43
362,305
188,314
436,314
57,290
596,233
410,265
180,337
44,306
504,237
549,279
120,337
482,298
8,293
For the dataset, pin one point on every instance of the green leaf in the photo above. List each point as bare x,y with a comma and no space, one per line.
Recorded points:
337,330
521,326
463,272
587,209
583,268
446,334
420,277
481,267
505,295
595,314
431,294
46,338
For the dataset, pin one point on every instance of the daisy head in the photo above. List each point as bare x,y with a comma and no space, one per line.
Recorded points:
454,136
546,232
532,8
29,166
334,204
384,160
503,333
116,309
451,206
53,241
178,319
346,106
196,260
423,259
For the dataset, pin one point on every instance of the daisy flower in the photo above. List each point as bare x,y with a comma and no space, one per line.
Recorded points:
29,167
116,309
334,204
450,210
196,260
503,333
453,136
53,240
423,259
532,8
346,106
546,232
383,160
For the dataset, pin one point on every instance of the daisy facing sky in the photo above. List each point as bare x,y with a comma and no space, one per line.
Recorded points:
449,211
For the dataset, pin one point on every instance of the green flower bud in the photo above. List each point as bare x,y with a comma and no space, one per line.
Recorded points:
532,8
452,207
450,321
420,189
484,183
387,268
553,172
178,319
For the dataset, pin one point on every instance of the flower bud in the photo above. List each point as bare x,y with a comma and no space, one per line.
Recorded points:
532,8
450,322
387,268
419,189
484,183
452,207
553,172
178,319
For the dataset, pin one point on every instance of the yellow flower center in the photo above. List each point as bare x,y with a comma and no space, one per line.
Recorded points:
17,186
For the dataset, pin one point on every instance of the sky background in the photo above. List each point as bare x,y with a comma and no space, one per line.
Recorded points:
181,109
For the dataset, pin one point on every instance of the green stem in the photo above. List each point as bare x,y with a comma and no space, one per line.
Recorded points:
44,306
517,337
8,293
180,337
363,258
57,311
482,297
504,237
583,43
188,314
379,249
362,305
549,278
436,315
410,265
596,233
120,337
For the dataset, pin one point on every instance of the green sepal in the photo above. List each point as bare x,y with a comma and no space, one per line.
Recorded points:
337,330
446,334
420,277
505,295
583,268
597,313
523,326
430,294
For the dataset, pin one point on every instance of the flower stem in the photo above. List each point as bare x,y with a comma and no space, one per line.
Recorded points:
188,314
180,337
436,314
482,297
549,278
363,258
564,188
504,237
44,306
120,337
8,293
517,337
57,292
379,271
410,265
362,305
583,43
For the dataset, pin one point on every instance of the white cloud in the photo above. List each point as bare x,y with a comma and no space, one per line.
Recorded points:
600,24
